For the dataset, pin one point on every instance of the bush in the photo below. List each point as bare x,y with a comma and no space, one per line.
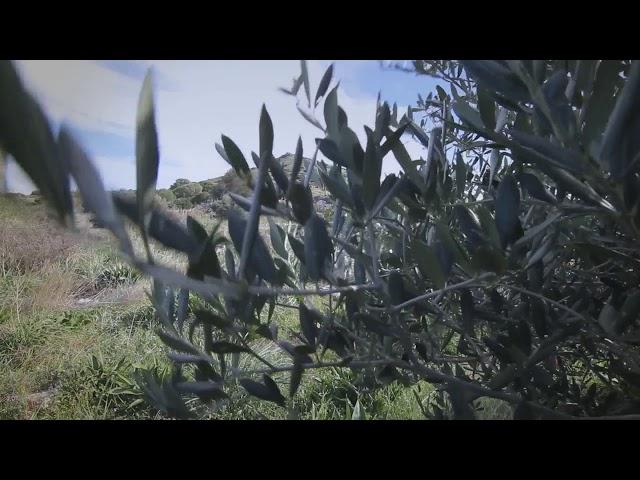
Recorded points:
179,182
207,185
167,195
232,182
504,266
188,190
183,203
220,207
217,192
200,198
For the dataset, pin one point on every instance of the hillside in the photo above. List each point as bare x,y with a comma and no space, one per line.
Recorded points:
211,196
76,328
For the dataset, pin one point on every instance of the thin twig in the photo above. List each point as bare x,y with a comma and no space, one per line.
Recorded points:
435,293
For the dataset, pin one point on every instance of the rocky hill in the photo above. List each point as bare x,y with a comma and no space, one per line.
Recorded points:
212,195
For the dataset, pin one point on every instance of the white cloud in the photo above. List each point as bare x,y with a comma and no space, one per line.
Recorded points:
83,92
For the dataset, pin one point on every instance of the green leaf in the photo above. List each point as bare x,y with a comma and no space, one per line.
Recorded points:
358,412
297,163
177,343
324,84
234,156
468,115
393,139
278,174
309,320
94,196
534,231
538,150
204,390
26,135
205,261
534,187
470,225
227,347
444,235
330,150
428,263
310,118
488,225
580,189
298,248
331,115
631,307
495,76
541,251
461,175
277,239
348,145
488,258
608,319
523,123
371,172
560,110
467,309
305,79
147,154
260,259
295,379
391,187
207,317
382,122
160,227
487,108
334,182
266,135
621,142
263,391
601,102
301,202
507,211
317,246
377,326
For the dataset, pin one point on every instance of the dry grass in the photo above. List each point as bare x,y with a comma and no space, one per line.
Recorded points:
29,248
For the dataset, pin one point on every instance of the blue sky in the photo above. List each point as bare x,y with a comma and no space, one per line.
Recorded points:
196,102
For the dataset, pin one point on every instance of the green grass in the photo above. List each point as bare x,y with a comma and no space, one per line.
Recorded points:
76,328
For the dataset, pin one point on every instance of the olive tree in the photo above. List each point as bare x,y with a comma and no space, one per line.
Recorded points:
503,264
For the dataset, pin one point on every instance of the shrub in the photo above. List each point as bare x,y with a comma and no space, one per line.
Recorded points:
167,195
188,190
504,266
180,182
200,198
207,185
183,203
220,207
217,192
232,182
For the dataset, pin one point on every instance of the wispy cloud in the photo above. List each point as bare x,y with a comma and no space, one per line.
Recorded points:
99,99
137,69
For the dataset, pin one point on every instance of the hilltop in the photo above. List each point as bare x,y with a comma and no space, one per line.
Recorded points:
211,195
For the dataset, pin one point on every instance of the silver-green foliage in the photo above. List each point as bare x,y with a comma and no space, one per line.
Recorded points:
502,265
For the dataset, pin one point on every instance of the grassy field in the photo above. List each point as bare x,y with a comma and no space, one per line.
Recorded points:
76,326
